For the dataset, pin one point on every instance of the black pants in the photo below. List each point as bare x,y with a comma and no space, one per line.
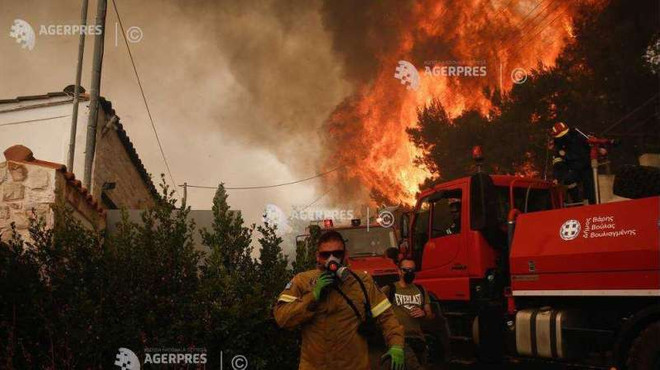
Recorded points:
416,354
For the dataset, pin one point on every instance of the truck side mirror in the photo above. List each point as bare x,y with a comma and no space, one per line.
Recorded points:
404,224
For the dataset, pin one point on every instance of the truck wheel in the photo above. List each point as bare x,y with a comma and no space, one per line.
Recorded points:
637,182
645,350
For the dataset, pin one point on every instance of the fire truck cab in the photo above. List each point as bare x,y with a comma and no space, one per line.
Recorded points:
452,256
515,274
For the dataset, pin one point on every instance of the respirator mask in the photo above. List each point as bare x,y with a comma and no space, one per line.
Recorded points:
333,265
408,275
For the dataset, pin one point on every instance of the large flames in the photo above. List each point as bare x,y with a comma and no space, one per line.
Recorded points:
367,131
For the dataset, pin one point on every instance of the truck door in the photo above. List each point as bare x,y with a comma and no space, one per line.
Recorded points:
437,237
446,238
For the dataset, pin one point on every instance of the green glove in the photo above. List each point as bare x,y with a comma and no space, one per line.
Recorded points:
323,281
396,354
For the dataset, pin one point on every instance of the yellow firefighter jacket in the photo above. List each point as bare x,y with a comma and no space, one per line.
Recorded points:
329,328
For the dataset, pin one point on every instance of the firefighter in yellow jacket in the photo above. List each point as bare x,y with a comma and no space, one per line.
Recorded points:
326,305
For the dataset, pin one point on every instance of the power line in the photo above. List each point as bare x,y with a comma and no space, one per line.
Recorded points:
33,120
144,98
265,186
523,21
317,199
527,39
622,119
547,14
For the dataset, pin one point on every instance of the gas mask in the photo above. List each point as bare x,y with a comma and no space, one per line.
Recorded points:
333,264
408,276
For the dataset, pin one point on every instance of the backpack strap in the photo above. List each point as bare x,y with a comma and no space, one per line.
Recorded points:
348,300
423,291
391,290
367,304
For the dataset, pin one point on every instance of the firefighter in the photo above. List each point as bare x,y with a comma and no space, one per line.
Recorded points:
455,211
566,177
411,305
326,306
573,147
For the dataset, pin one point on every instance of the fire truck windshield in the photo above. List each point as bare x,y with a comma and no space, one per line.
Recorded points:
360,242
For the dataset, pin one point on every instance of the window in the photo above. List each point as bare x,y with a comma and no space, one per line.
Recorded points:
421,227
371,242
447,214
525,199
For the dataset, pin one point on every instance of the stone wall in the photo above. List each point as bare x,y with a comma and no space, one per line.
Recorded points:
31,190
25,191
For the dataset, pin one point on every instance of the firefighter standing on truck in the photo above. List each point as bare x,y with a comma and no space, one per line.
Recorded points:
573,148
326,307
411,305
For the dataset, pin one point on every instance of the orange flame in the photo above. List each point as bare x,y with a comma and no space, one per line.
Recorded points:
368,129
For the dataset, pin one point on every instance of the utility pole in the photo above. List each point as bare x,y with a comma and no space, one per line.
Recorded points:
94,93
76,91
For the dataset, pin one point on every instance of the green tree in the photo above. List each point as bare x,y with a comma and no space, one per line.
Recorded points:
273,264
230,293
154,281
306,251
602,85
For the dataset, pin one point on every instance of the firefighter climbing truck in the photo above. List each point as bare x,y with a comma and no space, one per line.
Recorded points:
516,275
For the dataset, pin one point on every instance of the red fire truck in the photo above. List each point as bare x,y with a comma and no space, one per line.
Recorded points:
371,248
516,275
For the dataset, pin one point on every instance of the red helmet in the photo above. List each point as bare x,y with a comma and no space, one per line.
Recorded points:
559,129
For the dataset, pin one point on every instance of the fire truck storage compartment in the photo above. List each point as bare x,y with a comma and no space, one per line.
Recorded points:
540,333
604,249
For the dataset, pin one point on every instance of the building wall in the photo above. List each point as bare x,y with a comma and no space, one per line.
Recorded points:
25,191
113,165
28,191
45,130
44,127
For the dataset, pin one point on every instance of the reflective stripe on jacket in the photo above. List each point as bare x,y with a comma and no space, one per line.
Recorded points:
329,329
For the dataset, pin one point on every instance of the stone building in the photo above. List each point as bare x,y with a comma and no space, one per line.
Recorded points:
39,126
42,124
30,187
